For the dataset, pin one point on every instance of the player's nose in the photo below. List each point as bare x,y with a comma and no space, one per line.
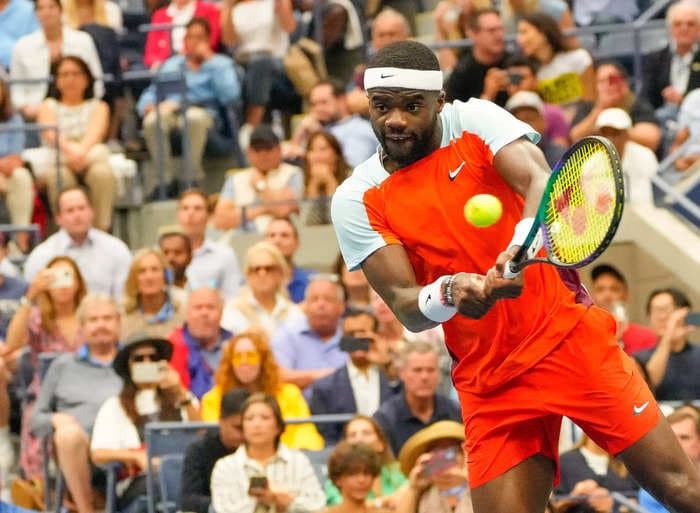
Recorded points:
396,119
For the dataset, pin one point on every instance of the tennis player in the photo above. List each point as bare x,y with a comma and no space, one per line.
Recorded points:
526,351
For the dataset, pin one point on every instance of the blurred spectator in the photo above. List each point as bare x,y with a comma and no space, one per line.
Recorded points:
16,183
359,386
202,454
12,289
419,405
213,264
329,111
248,363
686,427
324,169
118,431
148,302
103,259
639,163
269,187
198,344
47,322
83,122
529,108
177,249
17,19
211,85
522,76
262,305
74,389
601,12
452,18
387,486
161,44
308,348
441,490
609,290
258,32
479,71
564,76
672,72
35,54
352,468
614,91
587,470
355,285
513,11
77,13
387,27
282,232
687,138
672,364
290,483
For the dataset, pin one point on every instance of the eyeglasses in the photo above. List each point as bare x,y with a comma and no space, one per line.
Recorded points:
249,357
138,358
267,268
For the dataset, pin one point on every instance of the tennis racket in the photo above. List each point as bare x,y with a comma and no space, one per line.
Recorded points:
580,209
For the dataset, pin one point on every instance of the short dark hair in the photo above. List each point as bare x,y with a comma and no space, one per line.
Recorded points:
73,188
84,68
351,313
232,402
57,2
610,270
521,60
549,27
405,55
680,300
348,459
473,20
615,64
202,22
336,86
181,235
263,137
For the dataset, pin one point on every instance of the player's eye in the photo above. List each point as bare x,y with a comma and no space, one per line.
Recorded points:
413,107
380,107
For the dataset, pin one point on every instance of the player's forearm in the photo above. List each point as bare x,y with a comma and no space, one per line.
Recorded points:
405,307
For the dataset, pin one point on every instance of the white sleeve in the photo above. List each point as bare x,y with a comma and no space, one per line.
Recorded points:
495,126
105,431
232,278
229,493
357,238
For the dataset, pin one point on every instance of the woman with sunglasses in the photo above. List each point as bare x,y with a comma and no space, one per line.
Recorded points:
264,304
152,392
247,362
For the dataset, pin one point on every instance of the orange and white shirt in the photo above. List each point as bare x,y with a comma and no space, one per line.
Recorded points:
421,208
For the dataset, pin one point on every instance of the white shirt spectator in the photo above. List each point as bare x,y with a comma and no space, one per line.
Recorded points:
245,312
288,470
680,67
365,388
180,17
103,260
215,265
639,164
259,29
30,60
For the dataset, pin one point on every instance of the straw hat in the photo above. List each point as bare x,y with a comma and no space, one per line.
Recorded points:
121,362
419,442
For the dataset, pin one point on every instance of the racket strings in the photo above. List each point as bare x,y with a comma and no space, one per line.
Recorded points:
581,206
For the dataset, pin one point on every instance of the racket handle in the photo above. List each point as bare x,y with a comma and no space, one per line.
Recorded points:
509,272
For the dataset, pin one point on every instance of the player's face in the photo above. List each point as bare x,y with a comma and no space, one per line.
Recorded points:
406,122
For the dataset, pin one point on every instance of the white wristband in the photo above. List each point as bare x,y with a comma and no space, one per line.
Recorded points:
430,302
522,230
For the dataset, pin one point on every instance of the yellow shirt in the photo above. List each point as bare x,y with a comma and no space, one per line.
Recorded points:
292,405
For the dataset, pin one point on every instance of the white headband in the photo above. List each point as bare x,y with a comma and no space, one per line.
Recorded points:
425,80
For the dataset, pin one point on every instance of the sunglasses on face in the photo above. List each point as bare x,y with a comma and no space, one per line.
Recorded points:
249,357
138,358
267,268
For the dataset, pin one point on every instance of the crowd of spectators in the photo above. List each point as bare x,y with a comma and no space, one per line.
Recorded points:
249,345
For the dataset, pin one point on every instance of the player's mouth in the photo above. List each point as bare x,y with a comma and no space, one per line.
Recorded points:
398,139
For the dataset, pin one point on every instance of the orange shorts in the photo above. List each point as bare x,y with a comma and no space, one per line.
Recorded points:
587,378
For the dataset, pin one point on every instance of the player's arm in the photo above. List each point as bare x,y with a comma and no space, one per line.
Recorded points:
418,308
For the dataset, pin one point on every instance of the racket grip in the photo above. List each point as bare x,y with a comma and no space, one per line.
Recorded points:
509,271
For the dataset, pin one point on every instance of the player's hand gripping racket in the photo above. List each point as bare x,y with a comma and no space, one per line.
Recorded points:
580,209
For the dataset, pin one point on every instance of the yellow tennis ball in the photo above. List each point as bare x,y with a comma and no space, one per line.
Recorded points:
483,210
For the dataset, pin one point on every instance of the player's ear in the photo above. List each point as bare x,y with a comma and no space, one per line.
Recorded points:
441,101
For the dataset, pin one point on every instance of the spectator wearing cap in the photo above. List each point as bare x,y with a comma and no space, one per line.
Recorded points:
613,91
177,249
202,454
250,198
639,163
73,390
211,85
283,233
444,490
145,396
528,107
609,290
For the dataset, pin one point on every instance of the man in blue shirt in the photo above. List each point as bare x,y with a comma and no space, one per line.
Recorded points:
211,84
17,19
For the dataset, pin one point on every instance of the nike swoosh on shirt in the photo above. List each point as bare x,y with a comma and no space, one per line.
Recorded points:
639,409
453,174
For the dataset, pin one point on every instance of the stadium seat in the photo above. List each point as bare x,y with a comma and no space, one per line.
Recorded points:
169,481
319,461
